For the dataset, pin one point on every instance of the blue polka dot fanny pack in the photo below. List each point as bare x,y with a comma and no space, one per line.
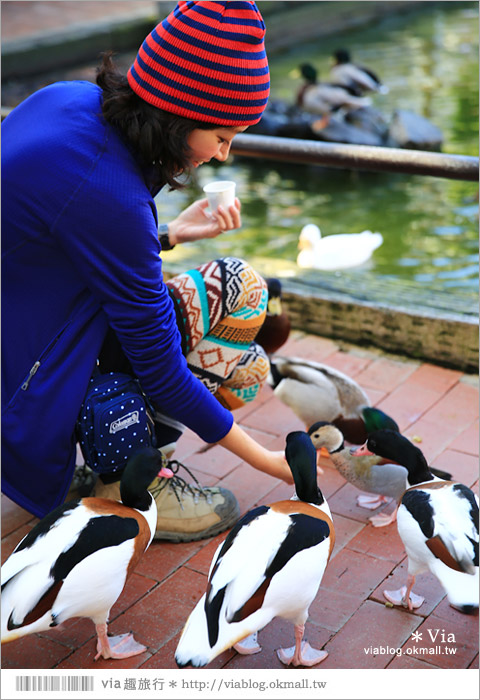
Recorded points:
115,421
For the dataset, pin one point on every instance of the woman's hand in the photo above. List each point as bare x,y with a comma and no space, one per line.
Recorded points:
195,223
276,465
240,443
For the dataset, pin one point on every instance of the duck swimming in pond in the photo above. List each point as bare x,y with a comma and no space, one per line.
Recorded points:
335,252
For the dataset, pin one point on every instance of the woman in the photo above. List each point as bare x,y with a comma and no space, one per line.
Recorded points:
82,274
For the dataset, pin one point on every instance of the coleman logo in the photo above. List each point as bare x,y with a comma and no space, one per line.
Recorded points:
124,422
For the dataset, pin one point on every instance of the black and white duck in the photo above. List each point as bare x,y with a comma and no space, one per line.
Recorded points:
76,560
254,574
438,524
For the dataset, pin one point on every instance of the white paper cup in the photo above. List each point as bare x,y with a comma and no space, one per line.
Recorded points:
220,192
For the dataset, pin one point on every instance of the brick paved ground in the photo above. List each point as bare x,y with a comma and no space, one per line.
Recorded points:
438,405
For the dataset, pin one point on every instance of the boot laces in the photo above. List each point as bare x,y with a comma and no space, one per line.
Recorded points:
179,486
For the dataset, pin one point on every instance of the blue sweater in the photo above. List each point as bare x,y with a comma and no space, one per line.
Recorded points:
80,253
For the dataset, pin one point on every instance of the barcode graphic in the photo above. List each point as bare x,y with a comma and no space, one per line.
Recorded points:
52,683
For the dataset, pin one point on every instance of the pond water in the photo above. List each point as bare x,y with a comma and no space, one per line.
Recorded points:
429,60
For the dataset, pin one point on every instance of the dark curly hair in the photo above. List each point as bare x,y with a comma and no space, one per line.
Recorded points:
158,138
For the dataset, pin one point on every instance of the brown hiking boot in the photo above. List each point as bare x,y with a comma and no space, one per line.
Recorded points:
185,512
82,482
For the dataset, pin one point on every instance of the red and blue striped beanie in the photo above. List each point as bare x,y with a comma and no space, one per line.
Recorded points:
206,61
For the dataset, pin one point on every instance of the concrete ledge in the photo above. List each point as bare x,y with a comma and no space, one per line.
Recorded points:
79,43
443,338
307,21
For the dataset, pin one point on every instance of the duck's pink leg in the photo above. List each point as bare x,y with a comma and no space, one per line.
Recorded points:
120,647
371,501
248,645
383,519
302,654
404,596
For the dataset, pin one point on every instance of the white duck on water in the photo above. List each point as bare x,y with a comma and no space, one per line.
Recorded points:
438,524
76,560
255,572
337,251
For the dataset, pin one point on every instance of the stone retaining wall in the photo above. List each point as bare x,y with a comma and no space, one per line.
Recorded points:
441,340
